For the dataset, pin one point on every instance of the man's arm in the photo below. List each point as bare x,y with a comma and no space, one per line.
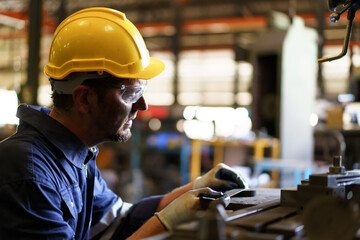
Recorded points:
182,209
152,227
140,221
173,195
181,204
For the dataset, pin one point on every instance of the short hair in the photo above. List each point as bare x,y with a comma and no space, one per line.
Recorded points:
65,101
62,101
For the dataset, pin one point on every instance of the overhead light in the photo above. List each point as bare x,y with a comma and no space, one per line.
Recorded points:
189,112
155,124
195,129
208,122
314,119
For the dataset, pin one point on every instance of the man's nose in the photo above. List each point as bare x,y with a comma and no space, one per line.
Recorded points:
140,105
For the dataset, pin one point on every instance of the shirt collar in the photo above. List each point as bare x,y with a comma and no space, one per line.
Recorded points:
62,138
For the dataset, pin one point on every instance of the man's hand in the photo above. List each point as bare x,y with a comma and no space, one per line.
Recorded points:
220,178
184,208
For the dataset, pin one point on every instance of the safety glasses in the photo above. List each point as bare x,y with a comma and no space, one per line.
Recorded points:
129,93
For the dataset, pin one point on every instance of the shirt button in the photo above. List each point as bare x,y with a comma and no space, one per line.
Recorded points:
93,149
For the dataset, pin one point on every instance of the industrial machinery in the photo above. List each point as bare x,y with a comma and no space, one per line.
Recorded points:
338,7
325,206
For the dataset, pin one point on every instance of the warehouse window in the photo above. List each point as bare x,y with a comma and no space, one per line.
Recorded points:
206,77
245,74
160,89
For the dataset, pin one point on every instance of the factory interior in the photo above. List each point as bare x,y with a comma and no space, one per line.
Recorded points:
242,85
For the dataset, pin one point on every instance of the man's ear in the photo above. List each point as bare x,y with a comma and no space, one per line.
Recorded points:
83,97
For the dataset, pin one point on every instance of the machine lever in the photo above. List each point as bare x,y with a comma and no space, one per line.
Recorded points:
351,6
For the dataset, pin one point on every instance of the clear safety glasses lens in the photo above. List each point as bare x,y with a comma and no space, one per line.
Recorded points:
131,94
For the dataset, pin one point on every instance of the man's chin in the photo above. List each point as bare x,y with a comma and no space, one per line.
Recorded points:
120,137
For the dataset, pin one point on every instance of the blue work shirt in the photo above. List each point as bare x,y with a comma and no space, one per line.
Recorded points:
50,187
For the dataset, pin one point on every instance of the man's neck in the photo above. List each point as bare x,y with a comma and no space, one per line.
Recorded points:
73,123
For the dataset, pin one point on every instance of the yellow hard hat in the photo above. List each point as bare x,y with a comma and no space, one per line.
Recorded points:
103,40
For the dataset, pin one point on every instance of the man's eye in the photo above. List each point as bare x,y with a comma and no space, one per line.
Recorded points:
132,93
128,94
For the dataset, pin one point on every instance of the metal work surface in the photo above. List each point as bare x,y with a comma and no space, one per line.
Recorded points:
326,207
260,196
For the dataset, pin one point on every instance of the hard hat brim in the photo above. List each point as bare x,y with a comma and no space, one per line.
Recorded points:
155,68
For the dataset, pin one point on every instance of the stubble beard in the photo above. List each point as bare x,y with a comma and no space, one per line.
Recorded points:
120,138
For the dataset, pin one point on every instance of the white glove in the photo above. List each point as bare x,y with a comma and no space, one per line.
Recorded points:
185,207
220,178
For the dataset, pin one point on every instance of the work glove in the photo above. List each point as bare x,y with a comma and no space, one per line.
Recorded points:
185,207
220,178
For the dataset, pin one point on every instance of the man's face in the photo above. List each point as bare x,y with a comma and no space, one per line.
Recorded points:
114,113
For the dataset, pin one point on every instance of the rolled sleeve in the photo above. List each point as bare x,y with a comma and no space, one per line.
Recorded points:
138,214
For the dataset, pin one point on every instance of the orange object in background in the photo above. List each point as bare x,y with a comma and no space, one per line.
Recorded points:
105,157
335,116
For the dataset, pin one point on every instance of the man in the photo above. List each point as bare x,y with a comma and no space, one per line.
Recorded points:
50,187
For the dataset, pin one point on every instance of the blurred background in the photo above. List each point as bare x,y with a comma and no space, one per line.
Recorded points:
241,86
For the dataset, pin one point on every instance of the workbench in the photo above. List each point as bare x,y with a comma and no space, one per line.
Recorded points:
246,212
274,214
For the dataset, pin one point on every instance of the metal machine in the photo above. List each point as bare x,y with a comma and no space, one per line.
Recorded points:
326,206
338,7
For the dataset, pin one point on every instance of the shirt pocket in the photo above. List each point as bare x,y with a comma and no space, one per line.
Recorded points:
72,199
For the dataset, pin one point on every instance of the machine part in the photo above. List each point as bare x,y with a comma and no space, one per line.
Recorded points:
334,17
207,200
330,218
258,222
288,197
262,195
351,6
242,234
337,166
333,180
251,210
241,193
100,40
306,193
333,4
212,224
334,183
289,227
191,231
353,192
